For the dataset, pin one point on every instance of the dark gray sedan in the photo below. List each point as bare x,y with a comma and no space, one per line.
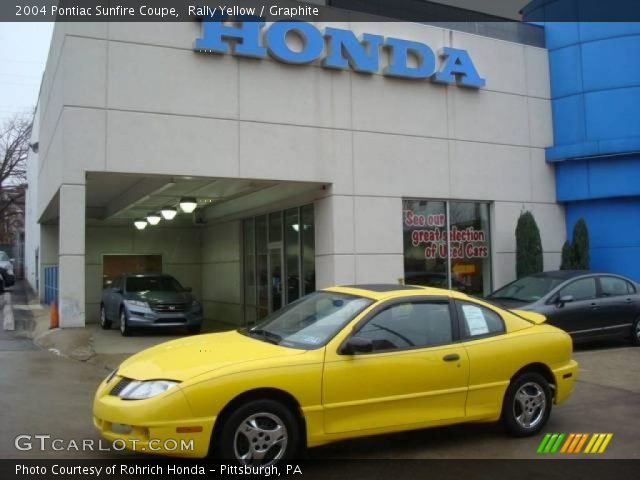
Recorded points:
587,305
148,301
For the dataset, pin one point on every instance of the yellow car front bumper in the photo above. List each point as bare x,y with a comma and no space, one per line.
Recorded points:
162,425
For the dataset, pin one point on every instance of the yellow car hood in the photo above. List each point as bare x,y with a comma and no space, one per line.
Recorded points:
189,357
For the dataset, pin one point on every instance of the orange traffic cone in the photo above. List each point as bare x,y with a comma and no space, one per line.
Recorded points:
53,316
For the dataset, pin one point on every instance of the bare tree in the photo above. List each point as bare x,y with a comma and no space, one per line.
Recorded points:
14,148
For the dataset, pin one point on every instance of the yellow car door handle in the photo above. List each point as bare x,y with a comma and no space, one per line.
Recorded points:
452,357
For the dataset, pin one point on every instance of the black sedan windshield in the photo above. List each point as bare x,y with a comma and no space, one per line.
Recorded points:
311,321
527,289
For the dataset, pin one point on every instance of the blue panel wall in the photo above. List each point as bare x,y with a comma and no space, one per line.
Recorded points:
595,89
614,232
598,178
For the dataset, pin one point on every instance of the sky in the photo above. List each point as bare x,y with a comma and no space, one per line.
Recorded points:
23,55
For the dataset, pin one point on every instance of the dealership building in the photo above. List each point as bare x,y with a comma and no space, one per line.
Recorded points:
309,155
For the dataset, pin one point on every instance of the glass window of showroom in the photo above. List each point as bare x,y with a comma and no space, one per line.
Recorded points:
447,244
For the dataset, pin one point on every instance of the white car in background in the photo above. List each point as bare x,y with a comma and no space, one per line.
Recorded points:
7,277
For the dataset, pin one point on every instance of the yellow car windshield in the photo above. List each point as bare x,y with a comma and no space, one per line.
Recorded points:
311,321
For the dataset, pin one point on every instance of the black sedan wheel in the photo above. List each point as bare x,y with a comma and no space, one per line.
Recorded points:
527,405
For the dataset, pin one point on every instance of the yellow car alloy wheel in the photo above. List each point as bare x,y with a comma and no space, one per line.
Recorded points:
527,404
261,433
260,437
530,405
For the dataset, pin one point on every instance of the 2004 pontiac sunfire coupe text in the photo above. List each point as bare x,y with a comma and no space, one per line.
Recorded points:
340,363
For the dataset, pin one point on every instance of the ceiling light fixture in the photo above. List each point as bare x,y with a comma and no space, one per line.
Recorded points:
188,204
168,213
153,218
140,224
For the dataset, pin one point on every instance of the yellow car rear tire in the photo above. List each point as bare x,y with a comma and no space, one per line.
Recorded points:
527,405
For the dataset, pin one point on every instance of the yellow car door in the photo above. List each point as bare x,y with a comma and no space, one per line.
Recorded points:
399,366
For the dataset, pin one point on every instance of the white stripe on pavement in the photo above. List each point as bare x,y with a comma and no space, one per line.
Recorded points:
7,313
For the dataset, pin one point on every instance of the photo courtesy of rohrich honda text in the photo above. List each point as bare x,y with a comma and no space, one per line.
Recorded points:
319,239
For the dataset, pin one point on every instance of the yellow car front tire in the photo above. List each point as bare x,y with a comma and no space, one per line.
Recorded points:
259,432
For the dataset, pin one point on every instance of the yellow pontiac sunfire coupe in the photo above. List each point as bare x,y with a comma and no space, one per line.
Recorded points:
340,363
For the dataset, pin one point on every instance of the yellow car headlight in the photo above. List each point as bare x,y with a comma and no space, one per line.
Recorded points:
139,390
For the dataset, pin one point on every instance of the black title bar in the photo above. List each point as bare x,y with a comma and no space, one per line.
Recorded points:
322,10
370,469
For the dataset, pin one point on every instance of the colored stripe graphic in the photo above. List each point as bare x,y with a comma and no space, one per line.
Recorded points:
550,443
574,443
594,437
599,442
605,443
543,443
568,442
582,441
555,447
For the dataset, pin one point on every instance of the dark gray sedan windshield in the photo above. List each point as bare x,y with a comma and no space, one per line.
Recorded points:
311,321
527,289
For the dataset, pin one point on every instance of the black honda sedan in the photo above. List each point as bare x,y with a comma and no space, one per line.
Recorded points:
587,305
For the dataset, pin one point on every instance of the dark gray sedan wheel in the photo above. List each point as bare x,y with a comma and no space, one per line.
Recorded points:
635,332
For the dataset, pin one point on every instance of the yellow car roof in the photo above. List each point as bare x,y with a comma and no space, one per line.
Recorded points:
514,321
382,291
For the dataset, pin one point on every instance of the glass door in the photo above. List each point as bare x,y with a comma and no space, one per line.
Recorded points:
278,260
275,261
249,274
262,267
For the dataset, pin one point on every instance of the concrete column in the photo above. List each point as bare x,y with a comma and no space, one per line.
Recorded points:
334,241
378,239
358,240
71,256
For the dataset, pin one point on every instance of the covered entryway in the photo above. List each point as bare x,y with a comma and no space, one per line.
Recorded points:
104,229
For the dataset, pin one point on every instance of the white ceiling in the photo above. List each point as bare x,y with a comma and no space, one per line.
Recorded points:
120,198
